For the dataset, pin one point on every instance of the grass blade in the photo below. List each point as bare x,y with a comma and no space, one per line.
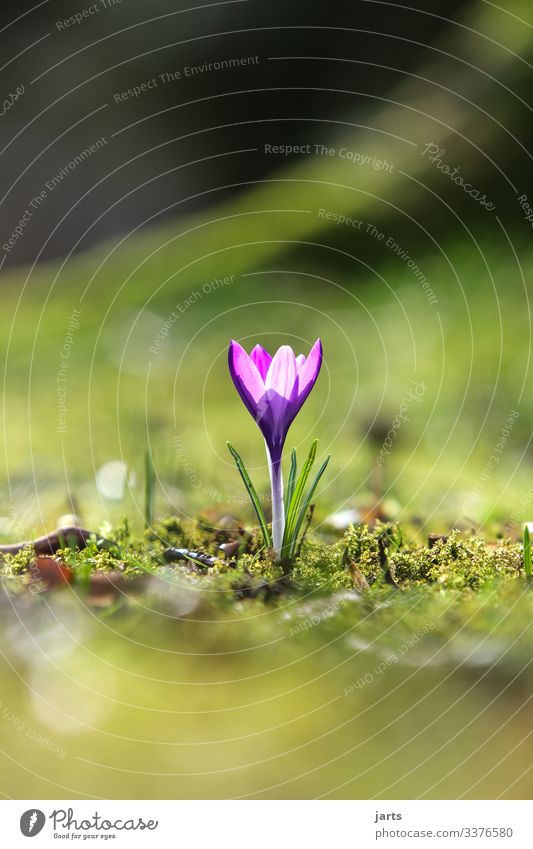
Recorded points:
149,481
253,496
291,482
294,503
294,537
527,552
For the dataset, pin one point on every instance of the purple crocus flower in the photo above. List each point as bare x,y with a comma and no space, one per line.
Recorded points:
273,390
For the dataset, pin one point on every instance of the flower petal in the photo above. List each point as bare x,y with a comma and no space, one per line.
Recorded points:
282,373
274,389
246,377
280,403
309,371
262,359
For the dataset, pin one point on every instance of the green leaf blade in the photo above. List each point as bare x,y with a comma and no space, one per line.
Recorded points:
305,506
297,495
527,552
291,482
149,483
253,495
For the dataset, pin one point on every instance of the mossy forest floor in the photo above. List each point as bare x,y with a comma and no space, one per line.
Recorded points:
229,560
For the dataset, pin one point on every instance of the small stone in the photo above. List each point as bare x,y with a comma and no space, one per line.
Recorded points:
230,549
343,519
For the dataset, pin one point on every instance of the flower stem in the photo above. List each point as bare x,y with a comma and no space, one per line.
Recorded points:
278,509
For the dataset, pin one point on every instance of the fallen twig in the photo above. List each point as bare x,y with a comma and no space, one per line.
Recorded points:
54,541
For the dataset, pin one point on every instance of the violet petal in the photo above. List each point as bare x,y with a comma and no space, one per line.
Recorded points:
262,359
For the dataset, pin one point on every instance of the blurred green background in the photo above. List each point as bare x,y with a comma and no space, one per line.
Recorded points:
190,226
430,286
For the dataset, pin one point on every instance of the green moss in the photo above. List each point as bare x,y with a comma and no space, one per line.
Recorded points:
321,567
132,559
171,531
15,564
371,549
381,554
459,561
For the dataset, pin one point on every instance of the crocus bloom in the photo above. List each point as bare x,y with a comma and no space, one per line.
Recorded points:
273,390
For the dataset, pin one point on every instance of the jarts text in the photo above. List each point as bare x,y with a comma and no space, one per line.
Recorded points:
392,816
